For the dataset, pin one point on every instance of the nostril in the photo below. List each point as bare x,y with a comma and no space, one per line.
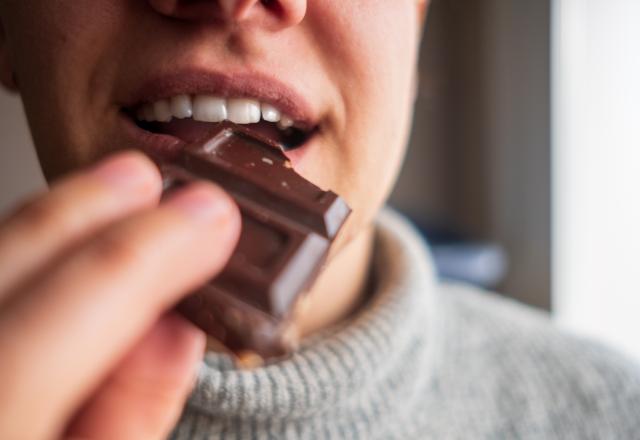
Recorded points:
273,14
273,6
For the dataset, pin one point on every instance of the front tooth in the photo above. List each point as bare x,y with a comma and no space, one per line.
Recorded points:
209,109
162,110
243,111
181,106
270,113
285,122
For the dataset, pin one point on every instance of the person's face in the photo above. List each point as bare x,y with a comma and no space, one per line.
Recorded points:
346,68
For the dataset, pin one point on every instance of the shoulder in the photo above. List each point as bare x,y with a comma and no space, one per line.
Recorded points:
534,376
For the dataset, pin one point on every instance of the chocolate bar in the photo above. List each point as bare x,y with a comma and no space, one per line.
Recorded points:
288,225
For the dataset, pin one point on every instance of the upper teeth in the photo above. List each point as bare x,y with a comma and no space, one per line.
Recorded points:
208,108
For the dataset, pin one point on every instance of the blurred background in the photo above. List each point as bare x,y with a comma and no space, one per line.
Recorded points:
524,164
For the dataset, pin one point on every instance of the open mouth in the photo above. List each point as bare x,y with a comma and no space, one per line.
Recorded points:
191,118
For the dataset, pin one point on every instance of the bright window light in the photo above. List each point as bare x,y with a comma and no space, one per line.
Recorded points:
596,46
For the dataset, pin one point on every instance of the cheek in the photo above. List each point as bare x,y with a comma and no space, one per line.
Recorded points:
372,62
56,51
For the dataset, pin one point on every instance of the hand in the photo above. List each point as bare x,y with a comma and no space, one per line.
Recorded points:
87,274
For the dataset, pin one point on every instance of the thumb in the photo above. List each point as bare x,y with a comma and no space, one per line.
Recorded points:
145,394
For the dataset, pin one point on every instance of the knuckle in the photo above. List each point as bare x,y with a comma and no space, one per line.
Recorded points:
43,213
113,251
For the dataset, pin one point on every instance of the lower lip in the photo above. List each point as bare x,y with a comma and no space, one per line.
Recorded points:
159,146
164,147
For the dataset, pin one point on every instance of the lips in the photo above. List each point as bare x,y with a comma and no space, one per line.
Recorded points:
173,110
191,118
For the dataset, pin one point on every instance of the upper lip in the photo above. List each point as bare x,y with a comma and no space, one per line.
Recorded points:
262,87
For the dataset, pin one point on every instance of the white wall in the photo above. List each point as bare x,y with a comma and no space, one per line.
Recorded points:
597,169
19,170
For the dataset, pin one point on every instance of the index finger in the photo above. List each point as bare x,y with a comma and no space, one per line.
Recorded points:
74,208
81,317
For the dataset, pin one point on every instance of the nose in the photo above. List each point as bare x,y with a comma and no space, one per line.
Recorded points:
273,14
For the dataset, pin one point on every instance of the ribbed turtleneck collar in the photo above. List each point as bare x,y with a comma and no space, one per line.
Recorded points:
351,378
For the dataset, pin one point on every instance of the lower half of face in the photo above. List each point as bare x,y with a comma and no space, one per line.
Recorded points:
334,83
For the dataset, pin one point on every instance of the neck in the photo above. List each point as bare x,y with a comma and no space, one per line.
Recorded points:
339,288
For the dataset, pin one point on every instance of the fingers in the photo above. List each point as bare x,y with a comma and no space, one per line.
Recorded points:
83,314
143,397
74,208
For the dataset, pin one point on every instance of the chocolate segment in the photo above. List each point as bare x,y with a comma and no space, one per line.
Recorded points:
287,228
253,168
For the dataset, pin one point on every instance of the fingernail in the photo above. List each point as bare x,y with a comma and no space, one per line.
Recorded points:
125,171
202,201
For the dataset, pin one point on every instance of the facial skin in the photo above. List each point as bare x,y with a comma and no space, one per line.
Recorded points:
77,63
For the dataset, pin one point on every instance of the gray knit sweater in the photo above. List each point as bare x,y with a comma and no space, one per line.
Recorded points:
424,360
